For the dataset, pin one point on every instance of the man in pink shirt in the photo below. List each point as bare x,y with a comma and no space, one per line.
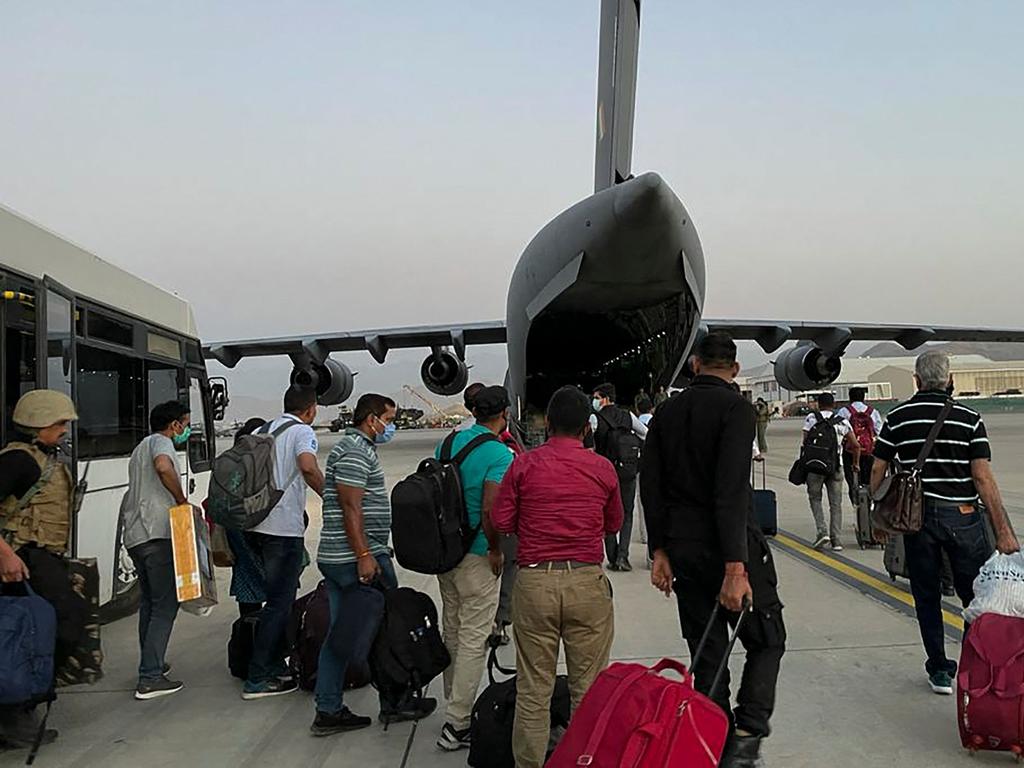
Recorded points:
561,500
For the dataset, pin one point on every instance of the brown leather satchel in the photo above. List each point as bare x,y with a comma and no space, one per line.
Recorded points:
899,506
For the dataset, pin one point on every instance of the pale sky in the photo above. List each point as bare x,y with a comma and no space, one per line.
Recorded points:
314,166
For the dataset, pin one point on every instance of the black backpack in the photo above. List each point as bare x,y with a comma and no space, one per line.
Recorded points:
430,527
622,447
490,741
820,452
408,651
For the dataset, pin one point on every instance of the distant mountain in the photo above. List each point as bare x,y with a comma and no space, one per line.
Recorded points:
995,351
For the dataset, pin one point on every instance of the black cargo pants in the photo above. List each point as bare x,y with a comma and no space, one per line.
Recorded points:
698,581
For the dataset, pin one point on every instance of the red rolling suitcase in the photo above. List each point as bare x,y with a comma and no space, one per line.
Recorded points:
990,686
632,716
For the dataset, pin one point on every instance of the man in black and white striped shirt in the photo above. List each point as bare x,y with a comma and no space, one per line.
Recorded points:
956,473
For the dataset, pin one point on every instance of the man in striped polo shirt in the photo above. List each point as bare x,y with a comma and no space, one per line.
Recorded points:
354,552
956,473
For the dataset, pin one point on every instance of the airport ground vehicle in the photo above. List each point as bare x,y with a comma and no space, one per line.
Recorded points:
117,345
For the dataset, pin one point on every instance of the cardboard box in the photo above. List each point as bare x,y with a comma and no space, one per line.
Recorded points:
193,560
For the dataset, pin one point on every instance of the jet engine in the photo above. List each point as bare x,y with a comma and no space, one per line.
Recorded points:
444,374
333,381
805,368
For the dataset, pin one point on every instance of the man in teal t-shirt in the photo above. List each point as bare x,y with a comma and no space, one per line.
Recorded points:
469,593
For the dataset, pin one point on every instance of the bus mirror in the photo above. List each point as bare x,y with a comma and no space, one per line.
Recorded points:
219,397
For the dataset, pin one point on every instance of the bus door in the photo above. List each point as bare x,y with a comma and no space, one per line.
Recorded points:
57,360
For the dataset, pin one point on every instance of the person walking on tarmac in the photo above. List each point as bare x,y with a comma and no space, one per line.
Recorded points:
618,436
36,495
697,499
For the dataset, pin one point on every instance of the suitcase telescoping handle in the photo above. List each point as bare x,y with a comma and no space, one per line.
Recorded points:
728,649
764,474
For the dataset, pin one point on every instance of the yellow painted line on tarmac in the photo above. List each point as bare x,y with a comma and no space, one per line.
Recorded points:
878,585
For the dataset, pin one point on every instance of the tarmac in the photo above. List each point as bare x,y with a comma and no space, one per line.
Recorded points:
852,691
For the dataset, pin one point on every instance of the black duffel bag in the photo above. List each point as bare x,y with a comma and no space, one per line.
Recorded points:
490,739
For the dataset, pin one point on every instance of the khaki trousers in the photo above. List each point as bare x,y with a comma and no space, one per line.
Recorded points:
552,607
469,599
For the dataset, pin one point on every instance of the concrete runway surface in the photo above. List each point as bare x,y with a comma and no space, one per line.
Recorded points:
852,691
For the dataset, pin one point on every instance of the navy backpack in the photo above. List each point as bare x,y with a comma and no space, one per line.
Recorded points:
28,635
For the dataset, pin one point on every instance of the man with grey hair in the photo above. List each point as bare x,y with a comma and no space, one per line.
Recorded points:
956,473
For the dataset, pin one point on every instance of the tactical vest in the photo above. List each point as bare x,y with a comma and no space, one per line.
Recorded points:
46,520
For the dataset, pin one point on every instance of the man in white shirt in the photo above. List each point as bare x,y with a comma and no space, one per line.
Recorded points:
816,483
867,425
277,541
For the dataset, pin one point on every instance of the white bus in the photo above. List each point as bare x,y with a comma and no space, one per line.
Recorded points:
118,346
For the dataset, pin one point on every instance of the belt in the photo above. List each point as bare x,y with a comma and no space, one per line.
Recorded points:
561,565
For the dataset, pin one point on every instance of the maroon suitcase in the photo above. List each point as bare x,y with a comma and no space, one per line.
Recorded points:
990,686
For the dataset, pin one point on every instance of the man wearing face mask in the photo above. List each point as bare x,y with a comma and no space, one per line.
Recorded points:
35,511
470,592
354,551
278,540
154,486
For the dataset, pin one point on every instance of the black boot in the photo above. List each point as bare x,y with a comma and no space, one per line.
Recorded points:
743,752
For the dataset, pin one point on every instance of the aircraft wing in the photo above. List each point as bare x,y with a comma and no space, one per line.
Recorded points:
769,335
375,341
832,337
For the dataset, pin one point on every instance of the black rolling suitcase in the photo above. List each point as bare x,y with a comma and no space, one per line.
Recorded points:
766,506
866,534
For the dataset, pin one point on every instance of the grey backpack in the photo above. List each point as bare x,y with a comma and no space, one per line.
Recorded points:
242,488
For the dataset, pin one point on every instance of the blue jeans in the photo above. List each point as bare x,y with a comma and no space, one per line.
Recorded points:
343,590
963,537
282,563
158,607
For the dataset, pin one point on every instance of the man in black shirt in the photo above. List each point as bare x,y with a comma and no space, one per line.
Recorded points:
618,436
956,472
697,499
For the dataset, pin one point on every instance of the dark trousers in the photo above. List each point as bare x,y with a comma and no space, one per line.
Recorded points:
863,477
699,576
510,549
347,609
617,546
964,540
282,563
158,607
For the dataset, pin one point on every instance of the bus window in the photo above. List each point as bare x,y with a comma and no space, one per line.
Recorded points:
164,385
58,343
19,351
112,415
199,443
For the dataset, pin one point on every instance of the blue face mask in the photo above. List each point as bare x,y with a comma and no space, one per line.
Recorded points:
181,439
386,435
596,404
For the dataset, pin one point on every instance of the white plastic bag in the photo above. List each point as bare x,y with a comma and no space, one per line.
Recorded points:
999,587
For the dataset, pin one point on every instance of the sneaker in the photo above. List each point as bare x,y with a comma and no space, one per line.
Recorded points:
743,752
837,545
274,687
452,740
613,566
345,720
624,566
154,689
821,542
166,668
415,710
941,683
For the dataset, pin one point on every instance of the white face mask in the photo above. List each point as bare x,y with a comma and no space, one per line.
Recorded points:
596,404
